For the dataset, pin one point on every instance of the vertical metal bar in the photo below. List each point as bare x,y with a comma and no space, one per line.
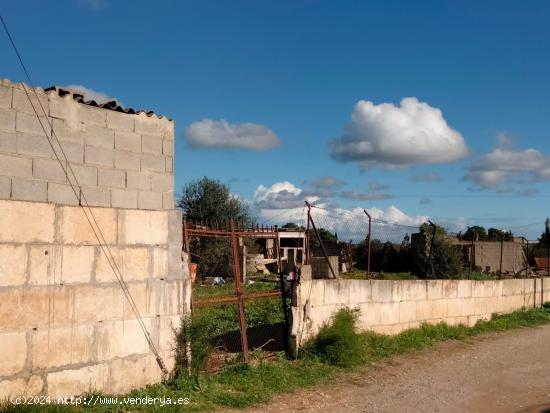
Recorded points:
238,292
278,250
286,329
322,246
501,251
368,242
471,257
185,237
526,258
431,247
307,247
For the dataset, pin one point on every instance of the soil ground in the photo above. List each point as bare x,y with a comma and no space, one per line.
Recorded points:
498,372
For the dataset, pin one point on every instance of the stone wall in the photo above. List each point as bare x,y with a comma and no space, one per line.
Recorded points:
65,326
120,160
393,306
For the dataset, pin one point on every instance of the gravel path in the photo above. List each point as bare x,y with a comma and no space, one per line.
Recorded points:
501,372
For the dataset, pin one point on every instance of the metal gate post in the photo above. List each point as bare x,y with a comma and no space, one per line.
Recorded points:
238,292
368,242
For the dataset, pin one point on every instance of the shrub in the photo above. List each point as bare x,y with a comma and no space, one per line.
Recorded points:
338,343
193,347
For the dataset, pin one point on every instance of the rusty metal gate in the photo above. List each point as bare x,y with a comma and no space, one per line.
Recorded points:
246,313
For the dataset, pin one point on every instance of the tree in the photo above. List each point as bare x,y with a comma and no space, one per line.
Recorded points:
208,200
494,234
545,236
290,225
475,233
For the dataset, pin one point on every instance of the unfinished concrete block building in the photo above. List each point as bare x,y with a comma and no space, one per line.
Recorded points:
66,325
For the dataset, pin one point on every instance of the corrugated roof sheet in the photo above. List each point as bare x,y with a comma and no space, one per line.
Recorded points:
110,105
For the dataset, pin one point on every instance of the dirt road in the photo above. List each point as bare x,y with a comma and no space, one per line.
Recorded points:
502,372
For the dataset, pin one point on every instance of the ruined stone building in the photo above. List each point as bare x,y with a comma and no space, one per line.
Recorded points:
66,327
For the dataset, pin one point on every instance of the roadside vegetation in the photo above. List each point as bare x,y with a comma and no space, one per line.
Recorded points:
338,348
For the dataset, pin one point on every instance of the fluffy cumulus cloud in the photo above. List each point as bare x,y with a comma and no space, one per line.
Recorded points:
410,133
506,165
209,133
280,196
284,202
90,94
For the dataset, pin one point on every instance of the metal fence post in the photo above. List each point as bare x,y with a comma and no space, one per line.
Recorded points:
501,251
431,247
238,292
472,252
368,242
526,257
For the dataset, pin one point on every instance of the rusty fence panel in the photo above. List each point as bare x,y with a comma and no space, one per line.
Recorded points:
247,314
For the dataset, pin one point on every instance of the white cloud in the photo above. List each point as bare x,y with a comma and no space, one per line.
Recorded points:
209,133
284,202
90,94
505,165
398,136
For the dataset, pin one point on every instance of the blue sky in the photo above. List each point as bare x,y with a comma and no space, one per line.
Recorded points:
292,72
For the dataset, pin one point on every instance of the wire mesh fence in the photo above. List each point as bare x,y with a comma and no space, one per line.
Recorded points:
354,243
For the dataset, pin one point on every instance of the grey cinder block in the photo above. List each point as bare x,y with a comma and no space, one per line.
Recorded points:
138,180
62,194
111,177
124,198
128,161
168,201
49,170
67,132
21,101
6,94
98,156
96,196
149,200
8,142
151,144
34,145
161,182
5,187
168,147
120,121
29,189
127,141
7,119
92,116
15,166
29,123
86,175
74,152
100,137
169,164
152,163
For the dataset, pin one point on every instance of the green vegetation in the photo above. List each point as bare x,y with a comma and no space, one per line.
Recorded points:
324,357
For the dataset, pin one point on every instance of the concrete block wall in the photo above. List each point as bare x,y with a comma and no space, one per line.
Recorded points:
390,307
66,327
120,160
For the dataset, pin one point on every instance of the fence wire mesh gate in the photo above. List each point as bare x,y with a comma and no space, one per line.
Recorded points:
355,244
239,290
